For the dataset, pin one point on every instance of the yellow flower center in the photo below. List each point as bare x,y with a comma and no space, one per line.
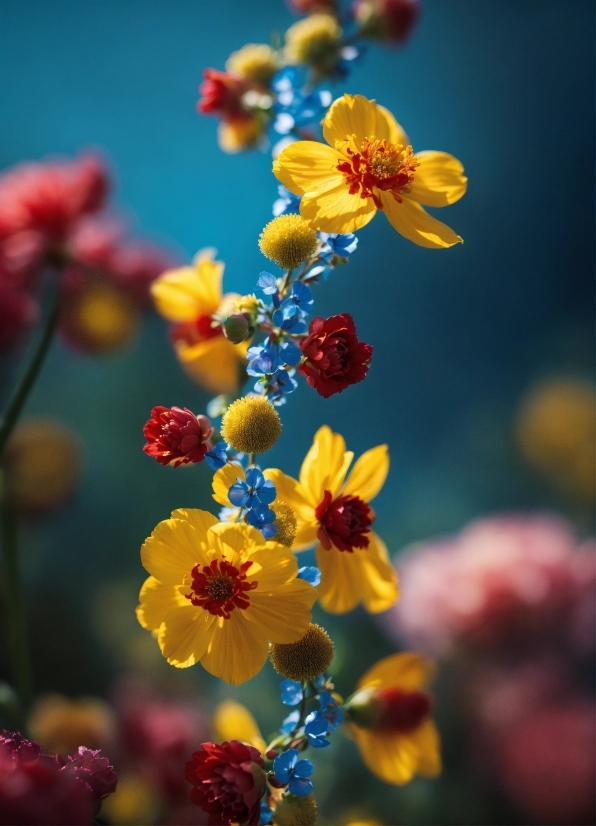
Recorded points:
379,165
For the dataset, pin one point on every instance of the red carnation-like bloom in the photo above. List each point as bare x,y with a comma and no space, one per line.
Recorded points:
176,437
389,20
221,94
227,782
334,358
344,522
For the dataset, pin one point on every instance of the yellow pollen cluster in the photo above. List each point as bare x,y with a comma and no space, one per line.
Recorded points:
385,158
219,588
255,61
316,41
296,811
251,425
288,240
287,523
306,659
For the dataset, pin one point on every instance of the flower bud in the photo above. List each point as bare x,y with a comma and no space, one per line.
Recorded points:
306,659
288,240
286,523
256,62
314,41
389,709
238,327
388,20
251,425
296,811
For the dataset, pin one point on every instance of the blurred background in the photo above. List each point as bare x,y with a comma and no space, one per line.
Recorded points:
481,384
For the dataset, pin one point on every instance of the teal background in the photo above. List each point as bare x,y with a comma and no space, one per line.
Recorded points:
459,335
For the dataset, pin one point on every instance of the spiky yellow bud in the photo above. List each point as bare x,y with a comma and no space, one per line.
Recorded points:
286,522
255,61
288,240
251,425
316,41
305,659
296,811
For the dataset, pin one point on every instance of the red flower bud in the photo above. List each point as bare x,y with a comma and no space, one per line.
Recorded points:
176,437
389,20
334,358
221,93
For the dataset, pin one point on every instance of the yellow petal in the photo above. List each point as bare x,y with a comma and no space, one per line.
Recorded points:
427,741
392,757
368,475
272,567
405,670
439,180
185,634
156,602
235,540
325,465
186,293
214,364
305,165
237,651
291,492
415,224
379,578
363,118
223,479
232,721
335,210
177,545
284,614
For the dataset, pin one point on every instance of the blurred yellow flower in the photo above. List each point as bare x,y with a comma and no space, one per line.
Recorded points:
61,725
233,721
555,432
218,594
100,318
237,134
369,165
315,41
334,512
390,719
257,62
190,297
134,803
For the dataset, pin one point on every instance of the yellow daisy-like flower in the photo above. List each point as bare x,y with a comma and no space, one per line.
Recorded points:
218,594
333,511
190,297
370,165
390,719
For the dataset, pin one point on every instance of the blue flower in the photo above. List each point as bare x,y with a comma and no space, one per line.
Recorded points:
262,517
289,770
267,283
330,710
286,204
315,730
255,491
277,386
290,320
266,814
320,272
294,108
291,692
310,574
299,298
337,245
289,724
266,359
217,457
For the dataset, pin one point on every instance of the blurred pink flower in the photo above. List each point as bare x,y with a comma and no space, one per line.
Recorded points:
547,763
503,580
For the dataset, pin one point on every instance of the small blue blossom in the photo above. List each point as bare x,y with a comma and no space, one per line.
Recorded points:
294,108
267,283
330,710
289,724
255,491
293,772
277,386
320,272
310,574
315,730
291,692
290,320
341,246
299,298
266,814
266,359
287,203
262,517
217,457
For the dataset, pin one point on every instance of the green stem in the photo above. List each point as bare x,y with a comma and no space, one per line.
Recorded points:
23,388
15,608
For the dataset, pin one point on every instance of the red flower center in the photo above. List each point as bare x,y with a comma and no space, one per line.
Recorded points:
220,587
403,711
380,164
344,522
193,332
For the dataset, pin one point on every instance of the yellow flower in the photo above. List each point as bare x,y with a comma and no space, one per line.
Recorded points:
255,61
369,165
190,297
233,721
353,559
62,725
315,41
237,134
391,723
218,594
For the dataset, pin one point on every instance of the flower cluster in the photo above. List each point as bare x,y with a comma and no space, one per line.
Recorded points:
53,217
41,788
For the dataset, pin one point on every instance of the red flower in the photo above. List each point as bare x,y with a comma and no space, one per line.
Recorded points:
221,94
312,6
402,711
390,20
176,437
227,782
344,522
90,767
334,358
